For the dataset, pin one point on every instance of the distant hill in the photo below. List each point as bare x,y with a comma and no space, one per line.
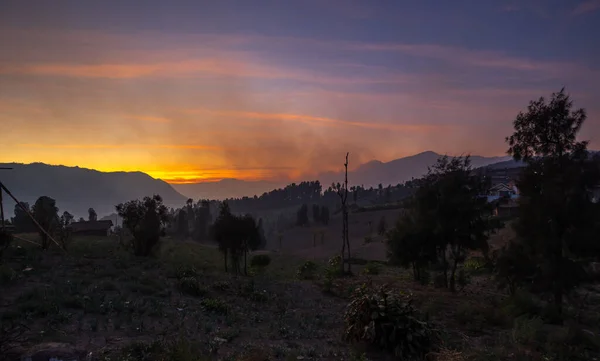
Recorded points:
368,174
398,170
77,189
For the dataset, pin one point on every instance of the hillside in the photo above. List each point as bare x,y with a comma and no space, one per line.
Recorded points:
369,174
77,189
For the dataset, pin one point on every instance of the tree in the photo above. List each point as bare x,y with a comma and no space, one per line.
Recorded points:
21,220
202,220
302,216
236,236
412,244
316,211
145,220
324,215
182,224
450,214
92,215
81,219
557,219
382,227
64,228
342,191
45,213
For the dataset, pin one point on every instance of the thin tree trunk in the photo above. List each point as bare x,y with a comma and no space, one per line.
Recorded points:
452,276
225,260
246,262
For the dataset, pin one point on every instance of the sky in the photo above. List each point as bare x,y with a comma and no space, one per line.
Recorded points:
197,90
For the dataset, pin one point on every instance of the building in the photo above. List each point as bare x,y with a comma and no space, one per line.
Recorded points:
91,228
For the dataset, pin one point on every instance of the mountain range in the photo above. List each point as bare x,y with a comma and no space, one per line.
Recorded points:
77,189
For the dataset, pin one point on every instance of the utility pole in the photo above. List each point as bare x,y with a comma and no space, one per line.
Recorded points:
1,204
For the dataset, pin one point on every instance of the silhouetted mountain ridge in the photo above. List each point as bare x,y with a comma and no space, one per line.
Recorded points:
76,189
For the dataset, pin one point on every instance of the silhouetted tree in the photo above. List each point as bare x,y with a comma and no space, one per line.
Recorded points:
145,220
325,215
448,213
92,215
342,191
81,219
202,220
64,229
45,213
302,216
21,220
182,224
316,211
382,227
557,219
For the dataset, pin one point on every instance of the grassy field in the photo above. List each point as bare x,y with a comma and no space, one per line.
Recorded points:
98,302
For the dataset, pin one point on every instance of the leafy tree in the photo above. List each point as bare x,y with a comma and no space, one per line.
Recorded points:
202,220
302,216
182,224
325,215
450,215
92,215
316,211
145,220
382,227
236,236
64,228
81,219
557,221
412,244
45,213
21,220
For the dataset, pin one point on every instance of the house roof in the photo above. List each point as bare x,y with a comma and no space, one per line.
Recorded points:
91,226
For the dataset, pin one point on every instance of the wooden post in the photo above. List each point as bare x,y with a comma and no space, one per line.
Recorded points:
1,209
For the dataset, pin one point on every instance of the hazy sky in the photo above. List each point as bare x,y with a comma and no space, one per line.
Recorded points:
273,89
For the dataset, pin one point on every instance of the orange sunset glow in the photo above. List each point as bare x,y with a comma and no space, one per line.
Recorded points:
190,99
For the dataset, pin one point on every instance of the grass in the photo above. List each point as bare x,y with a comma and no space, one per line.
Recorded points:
181,305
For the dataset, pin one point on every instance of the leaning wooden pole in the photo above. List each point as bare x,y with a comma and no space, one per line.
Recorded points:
1,210
2,187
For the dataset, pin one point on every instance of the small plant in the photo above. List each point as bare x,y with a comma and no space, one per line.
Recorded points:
260,261
382,319
526,330
191,286
221,286
372,268
307,271
214,305
368,239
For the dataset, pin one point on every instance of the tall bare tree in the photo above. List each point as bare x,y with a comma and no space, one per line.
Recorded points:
342,191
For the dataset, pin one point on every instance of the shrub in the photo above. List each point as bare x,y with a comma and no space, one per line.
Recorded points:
260,260
307,271
7,274
527,330
522,303
214,305
372,268
368,239
380,318
333,267
191,286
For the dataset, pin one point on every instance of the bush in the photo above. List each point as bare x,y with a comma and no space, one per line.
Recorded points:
372,268
307,271
368,239
191,286
380,318
527,330
260,260
522,303
214,305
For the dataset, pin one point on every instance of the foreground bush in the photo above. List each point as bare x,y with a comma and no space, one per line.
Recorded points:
260,260
386,321
307,271
145,220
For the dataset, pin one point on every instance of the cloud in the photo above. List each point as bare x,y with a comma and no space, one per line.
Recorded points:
148,119
586,7
316,120
122,146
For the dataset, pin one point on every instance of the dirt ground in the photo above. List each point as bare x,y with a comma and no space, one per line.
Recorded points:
97,302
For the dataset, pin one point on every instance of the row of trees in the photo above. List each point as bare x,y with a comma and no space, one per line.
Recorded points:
556,231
